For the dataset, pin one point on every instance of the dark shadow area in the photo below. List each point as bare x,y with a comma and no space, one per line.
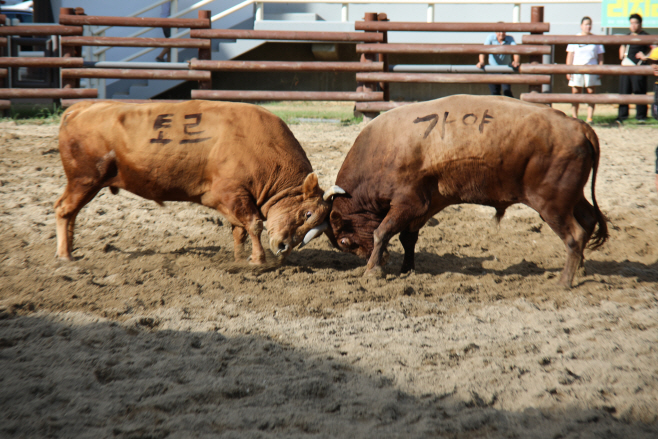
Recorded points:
132,380
431,263
325,259
643,272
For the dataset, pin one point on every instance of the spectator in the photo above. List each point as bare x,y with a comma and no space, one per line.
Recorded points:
580,55
633,54
165,12
495,59
653,60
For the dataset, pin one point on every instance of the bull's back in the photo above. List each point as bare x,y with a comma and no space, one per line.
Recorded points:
469,144
180,147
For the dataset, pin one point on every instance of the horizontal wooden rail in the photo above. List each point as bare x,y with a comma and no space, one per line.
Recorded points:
454,78
450,27
603,98
366,107
234,34
40,30
49,93
136,42
592,69
192,23
68,102
271,66
5,104
474,49
22,61
185,75
254,95
590,39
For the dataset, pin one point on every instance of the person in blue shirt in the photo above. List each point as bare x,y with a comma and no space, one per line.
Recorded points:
495,59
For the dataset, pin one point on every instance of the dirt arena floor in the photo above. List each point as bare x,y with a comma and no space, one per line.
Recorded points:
155,332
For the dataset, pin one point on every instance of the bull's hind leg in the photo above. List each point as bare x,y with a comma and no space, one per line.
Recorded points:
564,224
586,216
67,207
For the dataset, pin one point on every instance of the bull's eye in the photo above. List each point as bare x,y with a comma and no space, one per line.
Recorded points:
345,242
308,214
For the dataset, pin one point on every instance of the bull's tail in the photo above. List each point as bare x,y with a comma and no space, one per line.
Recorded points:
600,235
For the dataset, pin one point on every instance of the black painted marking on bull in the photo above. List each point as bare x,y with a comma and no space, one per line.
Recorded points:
160,139
434,118
162,122
445,121
196,116
467,116
485,116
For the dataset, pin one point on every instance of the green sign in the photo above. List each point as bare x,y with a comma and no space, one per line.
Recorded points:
615,13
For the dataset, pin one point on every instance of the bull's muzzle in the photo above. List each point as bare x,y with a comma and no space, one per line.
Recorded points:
282,248
314,233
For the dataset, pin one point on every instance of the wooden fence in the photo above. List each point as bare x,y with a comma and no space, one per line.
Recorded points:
372,71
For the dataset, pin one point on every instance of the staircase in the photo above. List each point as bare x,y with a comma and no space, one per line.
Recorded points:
226,50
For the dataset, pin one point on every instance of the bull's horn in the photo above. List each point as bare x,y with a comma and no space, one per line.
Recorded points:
314,233
333,190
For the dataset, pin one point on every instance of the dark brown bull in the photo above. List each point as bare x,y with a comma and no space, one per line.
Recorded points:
236,158
410,163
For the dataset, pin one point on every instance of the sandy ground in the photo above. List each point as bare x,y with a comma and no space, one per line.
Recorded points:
154,332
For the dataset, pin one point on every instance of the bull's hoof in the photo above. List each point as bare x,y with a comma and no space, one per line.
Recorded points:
566,284
377,271
256,261
407,268
67,258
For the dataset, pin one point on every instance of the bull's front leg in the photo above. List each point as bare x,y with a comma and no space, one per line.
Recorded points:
408,240
239,238
255,228
392,225
240,210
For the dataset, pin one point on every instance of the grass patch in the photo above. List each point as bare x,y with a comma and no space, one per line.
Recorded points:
37,114
630,122
321,111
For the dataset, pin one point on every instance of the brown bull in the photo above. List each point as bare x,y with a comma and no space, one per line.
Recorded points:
410,163
236,158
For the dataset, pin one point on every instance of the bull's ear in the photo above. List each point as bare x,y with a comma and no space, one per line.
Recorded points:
311,188
336,220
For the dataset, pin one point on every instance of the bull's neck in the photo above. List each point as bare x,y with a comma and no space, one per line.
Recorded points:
267,204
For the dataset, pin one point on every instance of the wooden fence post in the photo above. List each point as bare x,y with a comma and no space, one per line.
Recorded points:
368,57
384,58
206,54
536,16
69,51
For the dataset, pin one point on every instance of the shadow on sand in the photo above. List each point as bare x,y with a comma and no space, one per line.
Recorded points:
133,380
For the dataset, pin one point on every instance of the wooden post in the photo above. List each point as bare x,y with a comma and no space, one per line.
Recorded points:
384,58
536,16
69,51
366,87
205,54
3,45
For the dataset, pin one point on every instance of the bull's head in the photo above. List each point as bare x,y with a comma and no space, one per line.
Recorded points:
298,219
351,232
